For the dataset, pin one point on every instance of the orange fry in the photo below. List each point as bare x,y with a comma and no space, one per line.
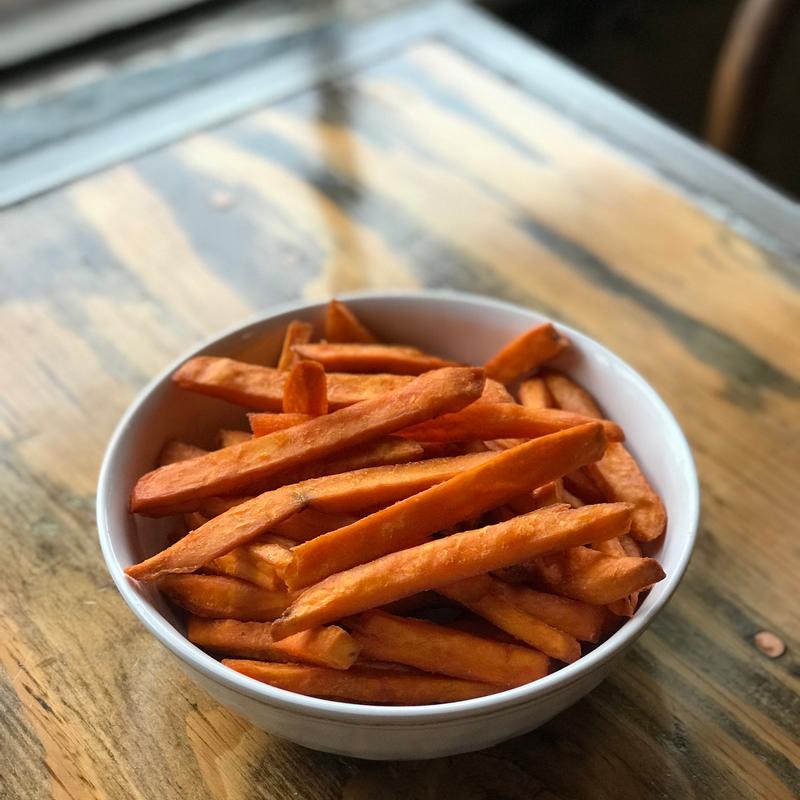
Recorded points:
464,496
297,332
630,546
570,395
533,393
362,684
175,451
229,470
626,606
581,620
548,494
387,358
335,494
194,519
444,561
525,353
310,523
596,578
245,563
342,325
617,475
272,551
305,390
501,420
330,646
213,506
571,499
223,597
388,451
492,600
583,487
266,422
261,388
228,438
436,648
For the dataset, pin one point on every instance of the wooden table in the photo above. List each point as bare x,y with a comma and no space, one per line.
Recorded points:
440,151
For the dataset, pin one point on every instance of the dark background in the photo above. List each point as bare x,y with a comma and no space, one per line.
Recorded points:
662,54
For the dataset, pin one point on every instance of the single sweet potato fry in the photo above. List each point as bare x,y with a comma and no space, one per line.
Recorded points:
330,646
548,494
257,387
270,552
306,390
227,471
380,486
297,332
265,422
310,523
444,561
485,421
463,497
525,353
261,388
630,546
583,487
617,475
388,358
491,599
498,445
611,547
175,451
436,648
213,506
626,606
495,392
362,684
222,597
570,395
335,494
342,325
194,519
261,562
533,393
596,578
240,563
581,620
390,450
228,438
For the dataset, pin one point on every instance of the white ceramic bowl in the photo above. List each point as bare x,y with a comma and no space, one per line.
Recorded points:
457,326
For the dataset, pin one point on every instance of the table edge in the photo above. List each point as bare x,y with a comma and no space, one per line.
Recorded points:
724,189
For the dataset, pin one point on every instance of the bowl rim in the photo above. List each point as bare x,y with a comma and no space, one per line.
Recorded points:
375,715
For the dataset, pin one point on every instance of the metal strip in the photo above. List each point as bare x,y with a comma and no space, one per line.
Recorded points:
204,107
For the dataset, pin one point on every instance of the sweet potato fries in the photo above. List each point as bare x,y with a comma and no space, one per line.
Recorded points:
399,529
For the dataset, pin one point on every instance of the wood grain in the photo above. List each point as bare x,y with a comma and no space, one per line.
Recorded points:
423,169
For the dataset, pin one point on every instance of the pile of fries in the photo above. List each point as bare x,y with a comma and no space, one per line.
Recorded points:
398,529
